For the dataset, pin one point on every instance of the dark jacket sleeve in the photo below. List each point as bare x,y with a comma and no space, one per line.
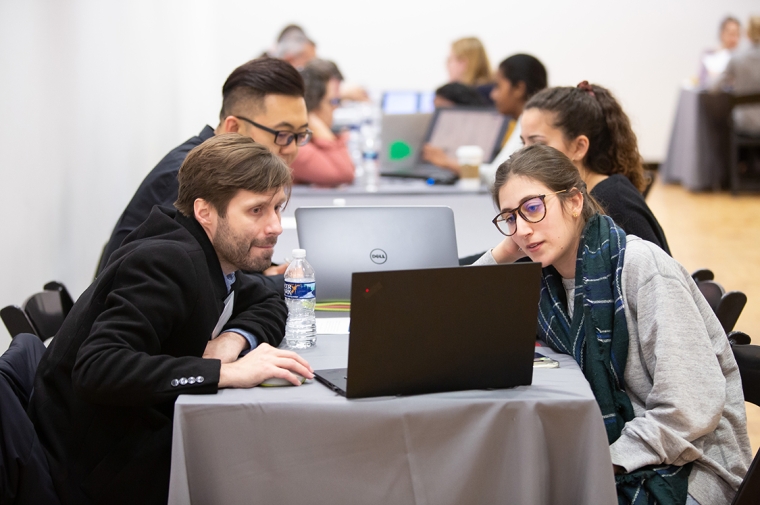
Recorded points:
259,309
152,298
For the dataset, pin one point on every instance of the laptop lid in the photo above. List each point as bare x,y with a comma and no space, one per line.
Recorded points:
343,240
401,139
452,127
449,329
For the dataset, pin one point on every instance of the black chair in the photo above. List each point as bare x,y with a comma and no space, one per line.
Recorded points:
727,306
748,359
739,140
24,470
703,274
42,314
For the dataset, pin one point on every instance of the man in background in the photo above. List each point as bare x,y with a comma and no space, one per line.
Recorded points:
262,99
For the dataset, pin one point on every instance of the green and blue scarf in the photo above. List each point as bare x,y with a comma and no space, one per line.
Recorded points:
596,335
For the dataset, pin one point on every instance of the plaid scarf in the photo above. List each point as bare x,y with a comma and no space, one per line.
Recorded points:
599,312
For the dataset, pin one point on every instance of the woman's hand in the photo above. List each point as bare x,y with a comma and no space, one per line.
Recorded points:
438,157
507,251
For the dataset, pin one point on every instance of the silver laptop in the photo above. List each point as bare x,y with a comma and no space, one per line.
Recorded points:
342,240
401,140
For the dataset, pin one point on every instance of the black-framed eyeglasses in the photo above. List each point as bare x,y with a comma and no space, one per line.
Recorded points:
282,137
532,210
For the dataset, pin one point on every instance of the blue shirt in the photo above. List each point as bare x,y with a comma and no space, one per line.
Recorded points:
229,280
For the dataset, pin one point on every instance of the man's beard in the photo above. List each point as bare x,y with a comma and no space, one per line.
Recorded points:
236,250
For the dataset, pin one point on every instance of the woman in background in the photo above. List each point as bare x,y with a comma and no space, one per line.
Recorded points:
713,62
654,353
325,161
468,62
588,126
519,77
742,76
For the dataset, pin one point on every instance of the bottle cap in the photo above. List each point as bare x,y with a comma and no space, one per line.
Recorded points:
299,253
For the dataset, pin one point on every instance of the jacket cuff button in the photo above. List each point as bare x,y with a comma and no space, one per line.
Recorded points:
183,381
199,379
175,383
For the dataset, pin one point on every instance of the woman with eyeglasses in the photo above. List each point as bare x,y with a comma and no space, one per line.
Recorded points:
653,351
588,125
325,161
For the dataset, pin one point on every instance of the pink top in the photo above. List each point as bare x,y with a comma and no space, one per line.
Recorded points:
324,163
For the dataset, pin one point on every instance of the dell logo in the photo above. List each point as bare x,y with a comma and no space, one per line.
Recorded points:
378,256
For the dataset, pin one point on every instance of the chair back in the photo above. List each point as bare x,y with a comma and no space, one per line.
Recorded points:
16,320
45,311
712,291
703,274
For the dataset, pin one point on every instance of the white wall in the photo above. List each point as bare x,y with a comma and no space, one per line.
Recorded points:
93,93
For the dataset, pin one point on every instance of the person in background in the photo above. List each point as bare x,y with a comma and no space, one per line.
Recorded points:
294,46
298,49
456,93
261,99
742,76
325,161
468,64
588,125
170,314
519,78
654,353
713,62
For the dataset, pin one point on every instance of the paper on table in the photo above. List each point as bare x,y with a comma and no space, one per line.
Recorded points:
333,325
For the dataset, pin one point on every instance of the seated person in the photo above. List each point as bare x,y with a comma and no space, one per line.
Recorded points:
519,77
661,369
714,62
325,161
456,93
742,76
468,64
155,324
588,125
262,99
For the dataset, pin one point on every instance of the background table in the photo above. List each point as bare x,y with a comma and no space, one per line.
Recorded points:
538,444
473,209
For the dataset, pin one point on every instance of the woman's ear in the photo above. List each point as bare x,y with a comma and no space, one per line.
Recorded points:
579,148
576,202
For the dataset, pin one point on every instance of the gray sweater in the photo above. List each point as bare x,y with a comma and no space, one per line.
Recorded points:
681,377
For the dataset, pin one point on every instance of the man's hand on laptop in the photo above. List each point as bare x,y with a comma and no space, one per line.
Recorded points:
261,364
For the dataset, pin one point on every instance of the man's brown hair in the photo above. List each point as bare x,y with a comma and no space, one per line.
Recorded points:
223,165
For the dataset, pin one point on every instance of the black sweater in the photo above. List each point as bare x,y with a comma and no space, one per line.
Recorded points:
626,206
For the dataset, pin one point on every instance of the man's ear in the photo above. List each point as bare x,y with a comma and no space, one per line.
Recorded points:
205,213
579,148
230,124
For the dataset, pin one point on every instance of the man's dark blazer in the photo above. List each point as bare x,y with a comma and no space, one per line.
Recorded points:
105,389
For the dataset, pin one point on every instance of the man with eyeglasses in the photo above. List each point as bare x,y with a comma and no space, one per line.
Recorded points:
262,99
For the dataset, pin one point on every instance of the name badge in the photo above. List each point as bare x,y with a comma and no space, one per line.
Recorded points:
226,313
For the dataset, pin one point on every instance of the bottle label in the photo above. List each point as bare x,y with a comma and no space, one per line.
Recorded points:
301,290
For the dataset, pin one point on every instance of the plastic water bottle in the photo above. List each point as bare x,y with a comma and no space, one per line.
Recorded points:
300,297
370,151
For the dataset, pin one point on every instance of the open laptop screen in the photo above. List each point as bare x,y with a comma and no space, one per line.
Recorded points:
459,126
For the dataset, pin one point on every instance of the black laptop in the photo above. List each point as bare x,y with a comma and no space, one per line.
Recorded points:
440,329
449,129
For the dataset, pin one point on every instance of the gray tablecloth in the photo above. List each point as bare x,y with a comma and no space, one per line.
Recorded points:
539,444
698,151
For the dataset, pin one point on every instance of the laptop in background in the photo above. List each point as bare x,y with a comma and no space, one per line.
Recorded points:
435,330
342,240
451,128
401,139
